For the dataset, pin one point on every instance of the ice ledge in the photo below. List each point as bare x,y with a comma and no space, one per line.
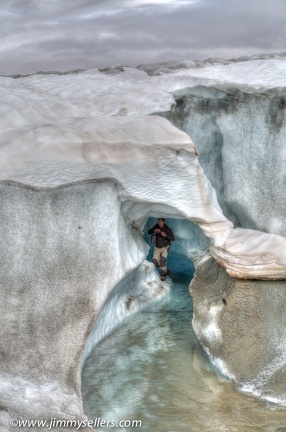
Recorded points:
250,254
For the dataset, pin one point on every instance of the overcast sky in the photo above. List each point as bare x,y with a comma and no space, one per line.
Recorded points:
79,34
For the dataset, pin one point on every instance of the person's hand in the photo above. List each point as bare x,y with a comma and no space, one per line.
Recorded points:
163,234
157,230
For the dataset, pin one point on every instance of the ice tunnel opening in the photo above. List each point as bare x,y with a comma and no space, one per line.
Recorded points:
142,286
178,262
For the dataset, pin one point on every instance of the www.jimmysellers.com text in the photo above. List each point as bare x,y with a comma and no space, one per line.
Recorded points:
75,424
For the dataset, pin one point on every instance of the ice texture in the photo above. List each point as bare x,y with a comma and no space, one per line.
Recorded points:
86,159
65,250
241,324
138,289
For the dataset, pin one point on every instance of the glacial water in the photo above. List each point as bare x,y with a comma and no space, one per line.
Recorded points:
154,369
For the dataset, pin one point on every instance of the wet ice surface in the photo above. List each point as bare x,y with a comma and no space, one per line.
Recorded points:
154,369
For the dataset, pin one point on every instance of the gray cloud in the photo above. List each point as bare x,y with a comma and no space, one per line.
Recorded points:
68,34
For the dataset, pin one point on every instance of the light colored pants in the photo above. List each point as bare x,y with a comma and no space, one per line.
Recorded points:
160,258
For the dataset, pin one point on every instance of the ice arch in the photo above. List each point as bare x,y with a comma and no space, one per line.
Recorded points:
156,170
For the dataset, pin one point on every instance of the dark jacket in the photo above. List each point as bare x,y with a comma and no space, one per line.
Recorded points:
160,240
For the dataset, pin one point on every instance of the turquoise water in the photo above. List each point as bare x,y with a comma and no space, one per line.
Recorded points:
153,369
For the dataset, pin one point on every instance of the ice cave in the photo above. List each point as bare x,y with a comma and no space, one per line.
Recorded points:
89,160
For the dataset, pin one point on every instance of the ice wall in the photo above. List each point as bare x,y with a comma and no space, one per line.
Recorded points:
138,289
241,324
59,261
240,139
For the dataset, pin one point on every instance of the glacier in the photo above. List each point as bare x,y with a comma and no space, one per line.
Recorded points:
86,159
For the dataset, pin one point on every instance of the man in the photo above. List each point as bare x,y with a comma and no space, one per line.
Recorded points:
164,236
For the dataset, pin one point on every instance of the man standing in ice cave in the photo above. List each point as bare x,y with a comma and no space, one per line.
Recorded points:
163,235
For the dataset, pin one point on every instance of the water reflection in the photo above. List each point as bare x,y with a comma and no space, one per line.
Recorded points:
154,369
